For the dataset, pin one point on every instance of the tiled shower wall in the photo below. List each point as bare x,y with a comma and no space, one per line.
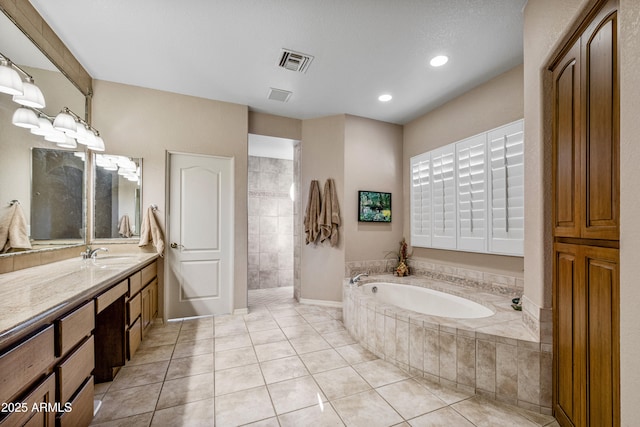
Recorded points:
270,223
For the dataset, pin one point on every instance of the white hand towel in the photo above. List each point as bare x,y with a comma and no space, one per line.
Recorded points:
150,232
13,230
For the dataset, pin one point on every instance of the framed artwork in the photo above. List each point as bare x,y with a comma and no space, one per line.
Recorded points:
374,206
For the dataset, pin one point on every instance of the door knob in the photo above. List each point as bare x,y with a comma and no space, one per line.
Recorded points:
174,245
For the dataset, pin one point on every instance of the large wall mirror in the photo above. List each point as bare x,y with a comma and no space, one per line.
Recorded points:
54,216
118,196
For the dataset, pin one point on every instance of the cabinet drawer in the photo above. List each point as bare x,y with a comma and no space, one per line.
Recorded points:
134,336
23,364
43,393
149,272
74,370
133,309
82,405
73,327
135,283
106,299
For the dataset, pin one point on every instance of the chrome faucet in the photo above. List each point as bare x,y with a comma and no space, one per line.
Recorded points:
356,278
91,253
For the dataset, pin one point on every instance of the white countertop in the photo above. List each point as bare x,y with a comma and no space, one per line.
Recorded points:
34,294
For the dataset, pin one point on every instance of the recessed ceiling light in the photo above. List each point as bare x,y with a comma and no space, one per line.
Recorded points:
385,98
438,61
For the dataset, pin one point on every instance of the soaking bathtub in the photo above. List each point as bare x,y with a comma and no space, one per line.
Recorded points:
454,335
426,301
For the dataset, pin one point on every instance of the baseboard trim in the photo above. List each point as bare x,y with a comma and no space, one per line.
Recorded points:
238,311
321,302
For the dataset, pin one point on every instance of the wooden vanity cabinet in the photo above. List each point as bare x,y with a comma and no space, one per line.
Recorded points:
142,305
74,378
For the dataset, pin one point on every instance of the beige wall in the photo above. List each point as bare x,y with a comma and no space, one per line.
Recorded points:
278,126
372,161
322,157
490,105
547,23
629,43
147,123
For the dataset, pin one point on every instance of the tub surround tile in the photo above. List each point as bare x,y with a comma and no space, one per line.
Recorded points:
466,361
416,346
486,366
506,371
448,357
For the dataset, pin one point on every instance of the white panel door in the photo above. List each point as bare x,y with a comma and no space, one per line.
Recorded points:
200,255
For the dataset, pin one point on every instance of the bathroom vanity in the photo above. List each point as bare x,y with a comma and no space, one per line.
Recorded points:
65,326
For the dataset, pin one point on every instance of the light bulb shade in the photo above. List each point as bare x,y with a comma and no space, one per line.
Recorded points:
31,97
10,81
65,122
67,143
44,129
56,136
98,144
25,118
81,134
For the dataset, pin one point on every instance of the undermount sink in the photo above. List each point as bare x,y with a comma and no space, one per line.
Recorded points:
112,259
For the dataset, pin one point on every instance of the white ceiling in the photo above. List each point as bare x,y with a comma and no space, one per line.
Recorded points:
228,49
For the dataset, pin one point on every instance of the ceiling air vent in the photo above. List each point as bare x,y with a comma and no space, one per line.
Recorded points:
279,94
295,61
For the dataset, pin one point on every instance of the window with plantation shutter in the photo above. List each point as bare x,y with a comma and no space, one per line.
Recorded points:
469,196
472,193
443,197
506,154
421,200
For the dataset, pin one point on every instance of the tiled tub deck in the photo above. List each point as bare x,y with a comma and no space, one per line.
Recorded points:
495,357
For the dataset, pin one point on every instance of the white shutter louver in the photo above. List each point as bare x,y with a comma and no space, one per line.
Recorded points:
421,200
443,197
472,193
506,151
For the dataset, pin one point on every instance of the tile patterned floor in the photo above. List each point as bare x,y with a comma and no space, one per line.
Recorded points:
283,364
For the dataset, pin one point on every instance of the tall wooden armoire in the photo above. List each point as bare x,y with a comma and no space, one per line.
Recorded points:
586,205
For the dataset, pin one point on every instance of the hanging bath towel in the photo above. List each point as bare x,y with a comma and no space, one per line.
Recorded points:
13,230
330,214
124,227
311,226
150,232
